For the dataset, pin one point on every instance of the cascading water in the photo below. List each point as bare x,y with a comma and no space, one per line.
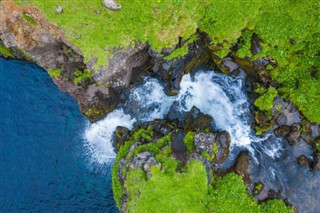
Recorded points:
218,95
224,99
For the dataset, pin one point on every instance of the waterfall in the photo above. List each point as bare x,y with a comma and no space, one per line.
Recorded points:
218,95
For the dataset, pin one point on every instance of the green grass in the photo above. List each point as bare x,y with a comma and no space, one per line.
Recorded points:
122,153
81,75
265,101
162,22
6,51
188,141
188,191
28,19
54,73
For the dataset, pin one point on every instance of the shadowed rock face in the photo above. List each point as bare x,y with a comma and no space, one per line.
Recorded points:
47,47
124,67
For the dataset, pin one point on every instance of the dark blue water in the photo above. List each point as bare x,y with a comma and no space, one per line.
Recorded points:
43,165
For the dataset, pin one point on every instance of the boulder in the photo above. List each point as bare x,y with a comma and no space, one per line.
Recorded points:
282,131
144,160
223,145
178,147
303,161
111,4
204,142
124,67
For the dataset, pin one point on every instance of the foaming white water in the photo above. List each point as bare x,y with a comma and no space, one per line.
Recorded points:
222,98
99,136
218,95
146,103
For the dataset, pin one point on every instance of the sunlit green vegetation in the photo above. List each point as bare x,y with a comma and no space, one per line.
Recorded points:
289,31
5,51
189,191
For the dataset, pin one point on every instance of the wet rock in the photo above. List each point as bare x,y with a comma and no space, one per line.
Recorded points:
294,134
301,148
255,44
307,138
99,101
173,70
111,4
203,142
258,187
286,109
121,135
223,145
282,131
303,160
242,167
178,147
315,128
261,63
161,126
230,64
261,118
124,67
316,162
195,120
281,120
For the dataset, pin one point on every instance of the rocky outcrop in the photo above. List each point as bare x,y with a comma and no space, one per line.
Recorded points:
44,44
97,91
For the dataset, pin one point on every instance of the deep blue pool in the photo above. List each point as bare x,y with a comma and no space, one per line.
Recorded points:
43,166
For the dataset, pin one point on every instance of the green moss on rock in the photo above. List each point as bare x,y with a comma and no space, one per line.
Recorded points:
188,141
5,51
265,101
189,191
55,73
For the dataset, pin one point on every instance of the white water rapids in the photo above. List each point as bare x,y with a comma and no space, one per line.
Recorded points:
218,95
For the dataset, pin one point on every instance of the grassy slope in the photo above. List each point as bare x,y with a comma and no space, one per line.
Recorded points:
162,22
189,192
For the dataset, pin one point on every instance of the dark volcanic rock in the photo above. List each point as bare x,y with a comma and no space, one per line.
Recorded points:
223,142
124,67
196,120
303,160
282,131
172,71
121,135
255,44
242,167
281,120
178,147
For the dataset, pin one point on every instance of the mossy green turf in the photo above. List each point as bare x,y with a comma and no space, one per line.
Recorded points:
189,191
5,51
162,22
265,101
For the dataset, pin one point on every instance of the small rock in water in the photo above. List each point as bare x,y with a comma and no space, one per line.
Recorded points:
303,160
110,4
59,9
